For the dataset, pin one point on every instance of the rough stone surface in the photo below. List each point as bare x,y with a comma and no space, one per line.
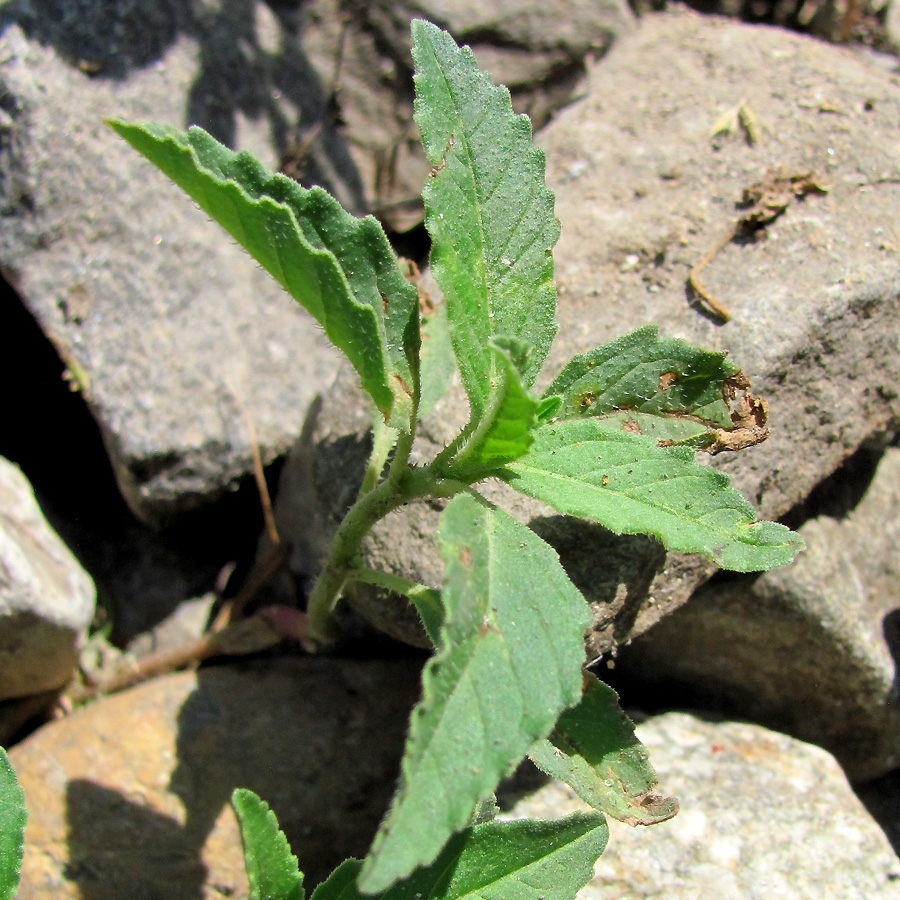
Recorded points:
809,649
130,797
46,598
892,22
526,45
171,332
644,194
173,335
762,816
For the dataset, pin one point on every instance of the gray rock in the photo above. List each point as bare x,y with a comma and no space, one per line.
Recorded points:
171,333
762,816
174,336
809,649
643,195
538,50
143,810
892,22
46,598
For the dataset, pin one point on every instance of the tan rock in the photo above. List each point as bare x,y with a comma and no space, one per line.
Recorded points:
130,797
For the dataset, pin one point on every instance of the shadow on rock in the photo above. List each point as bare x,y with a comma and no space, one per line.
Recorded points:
248,65
616,591
109,840
130,797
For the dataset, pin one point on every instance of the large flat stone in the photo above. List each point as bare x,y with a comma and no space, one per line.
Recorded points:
130,797
762,816
809,649
170,331
643,195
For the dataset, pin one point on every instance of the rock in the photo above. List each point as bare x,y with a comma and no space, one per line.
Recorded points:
809,649
173,335
892,22
175,338
538,50
762,816
643,195
46,598
130,797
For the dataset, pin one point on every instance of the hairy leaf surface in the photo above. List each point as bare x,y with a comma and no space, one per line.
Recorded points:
340,268
666,388
271,867
595,751
12,828
509,661
488,210
438,362
631,486
528,860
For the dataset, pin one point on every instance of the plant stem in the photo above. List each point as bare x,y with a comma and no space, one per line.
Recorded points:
383,438
402,485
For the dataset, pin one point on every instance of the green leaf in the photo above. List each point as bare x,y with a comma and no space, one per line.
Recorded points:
12,828
438,362
526,860
488,210
341,883
340,268
426,600
271,867
668,389
508,663
595,751
631,486
505,431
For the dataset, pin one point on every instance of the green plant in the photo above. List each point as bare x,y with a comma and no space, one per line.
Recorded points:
12,828
613,440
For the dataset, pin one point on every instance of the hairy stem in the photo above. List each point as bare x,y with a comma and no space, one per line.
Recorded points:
402,485
383,439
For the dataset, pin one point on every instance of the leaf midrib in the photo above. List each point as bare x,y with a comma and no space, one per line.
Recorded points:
568,480
470,171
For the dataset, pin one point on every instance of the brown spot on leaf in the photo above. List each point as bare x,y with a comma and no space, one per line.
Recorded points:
442,164
485,627
666,380
465,556
414,277
748,426
403,385
730,386
585,399
631,427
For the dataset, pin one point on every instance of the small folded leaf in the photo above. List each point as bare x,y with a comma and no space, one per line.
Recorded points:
595,751
663,388
12,828
508,663
525,860
631,486
505,431
488,210
271,867
340,268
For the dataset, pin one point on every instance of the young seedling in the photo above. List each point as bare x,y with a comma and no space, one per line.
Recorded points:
612,440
